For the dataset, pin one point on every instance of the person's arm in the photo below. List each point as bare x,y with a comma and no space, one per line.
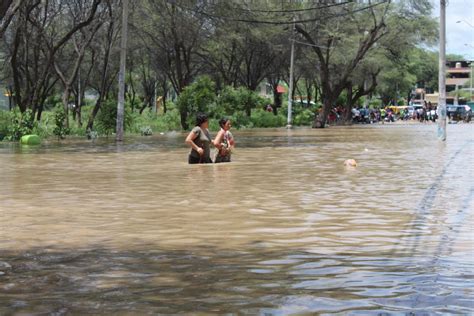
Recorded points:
231,141
217,142
190,141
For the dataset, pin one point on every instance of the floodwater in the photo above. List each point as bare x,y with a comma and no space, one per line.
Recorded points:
132,229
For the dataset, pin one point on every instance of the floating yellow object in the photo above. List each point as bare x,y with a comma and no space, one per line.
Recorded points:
350,163
30,140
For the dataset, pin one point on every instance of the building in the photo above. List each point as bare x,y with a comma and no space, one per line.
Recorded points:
458,78
458,75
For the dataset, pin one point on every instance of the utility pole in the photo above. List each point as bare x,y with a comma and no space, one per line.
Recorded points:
123,60
470,77
290,88
442,72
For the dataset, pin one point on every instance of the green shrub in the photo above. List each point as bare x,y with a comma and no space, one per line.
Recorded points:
227,102
20,124
5,120
60,129
304,117
146,131
241,120
261,118
170,121
106,120
249,100
197,97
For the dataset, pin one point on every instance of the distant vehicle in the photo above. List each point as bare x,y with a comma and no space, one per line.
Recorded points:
456,112
304,102
411,110
396,109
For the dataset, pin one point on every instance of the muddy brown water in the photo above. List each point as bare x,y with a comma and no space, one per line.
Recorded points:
100,228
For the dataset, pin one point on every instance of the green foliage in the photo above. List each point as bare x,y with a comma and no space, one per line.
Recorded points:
375,103
227,102
146,131
454,57
305,117
5,119
241,120
107,117
60,130
237,101
52,101
262,118
249,100
20,124
197,97
149,120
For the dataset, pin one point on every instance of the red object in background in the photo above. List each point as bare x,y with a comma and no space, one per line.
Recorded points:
281,89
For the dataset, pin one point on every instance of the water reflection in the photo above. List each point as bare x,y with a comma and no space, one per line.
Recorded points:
285,228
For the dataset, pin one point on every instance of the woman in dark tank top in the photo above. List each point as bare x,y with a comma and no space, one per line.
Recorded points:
200,140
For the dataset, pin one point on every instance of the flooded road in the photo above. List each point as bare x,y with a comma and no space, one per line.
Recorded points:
286,228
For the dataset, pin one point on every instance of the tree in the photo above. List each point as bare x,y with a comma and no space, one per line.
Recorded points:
66,67
8,9
40,31
103,56
176,34
335,71
196,97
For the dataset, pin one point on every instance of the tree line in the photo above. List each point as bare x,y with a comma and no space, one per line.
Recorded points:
350,48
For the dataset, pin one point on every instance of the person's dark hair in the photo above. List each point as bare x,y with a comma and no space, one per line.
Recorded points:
201,118
222,121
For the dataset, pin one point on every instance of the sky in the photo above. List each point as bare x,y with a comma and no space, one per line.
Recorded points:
459,36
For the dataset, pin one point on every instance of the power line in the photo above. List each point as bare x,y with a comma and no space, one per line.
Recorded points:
312,45
280,22
294,10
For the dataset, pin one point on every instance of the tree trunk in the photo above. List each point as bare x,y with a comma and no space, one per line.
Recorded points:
8,9
347,119
184,117
276,101
95,110
321,119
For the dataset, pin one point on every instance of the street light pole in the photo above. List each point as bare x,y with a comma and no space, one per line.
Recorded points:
442,72
123,60
290,86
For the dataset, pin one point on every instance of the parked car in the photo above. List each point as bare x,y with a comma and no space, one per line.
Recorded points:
456,112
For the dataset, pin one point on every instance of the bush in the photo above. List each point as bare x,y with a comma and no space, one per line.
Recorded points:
248,100
107,118
5,119
20,124
197,97
149,120
146,131
261,118
241,120
60,130
304,117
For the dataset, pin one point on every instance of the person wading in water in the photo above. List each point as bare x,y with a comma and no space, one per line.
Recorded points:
224,142
199,139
